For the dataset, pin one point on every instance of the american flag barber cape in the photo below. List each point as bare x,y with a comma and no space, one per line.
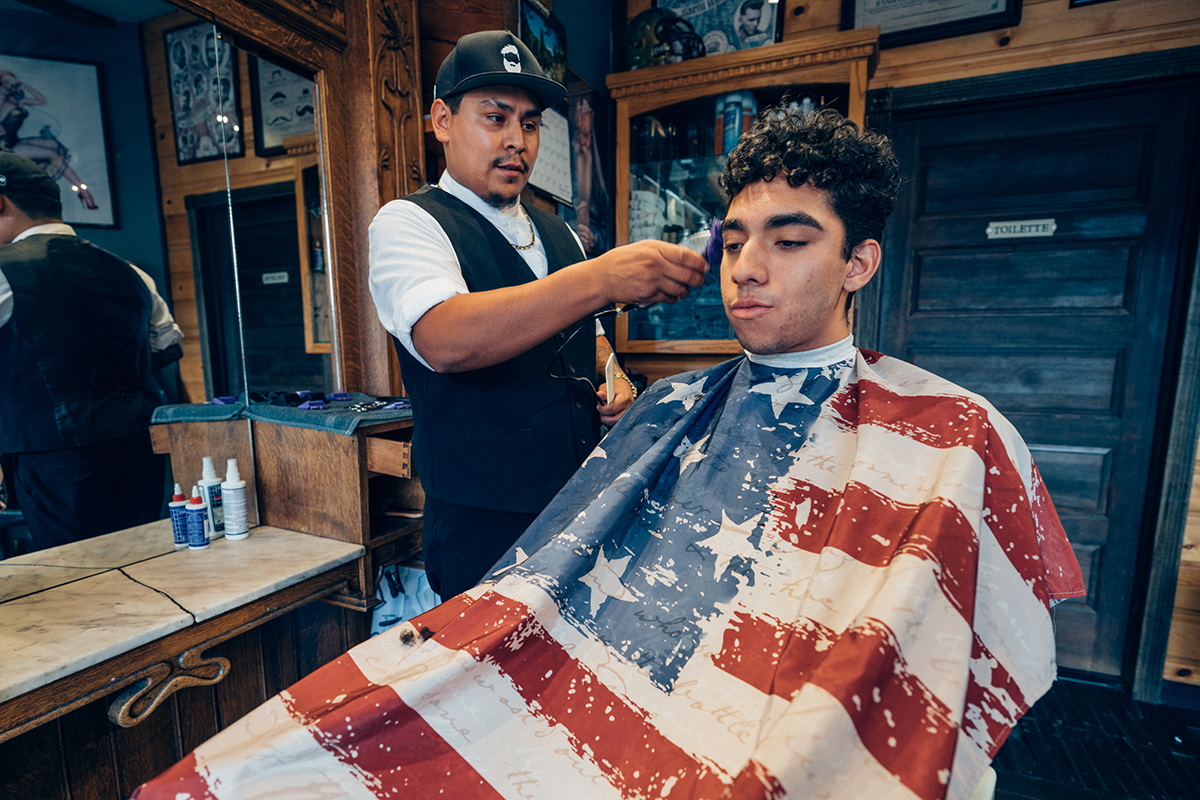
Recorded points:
825,580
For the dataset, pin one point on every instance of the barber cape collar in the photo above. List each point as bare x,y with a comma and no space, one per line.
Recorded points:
826,581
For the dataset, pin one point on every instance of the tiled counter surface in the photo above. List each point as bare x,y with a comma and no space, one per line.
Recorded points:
74,607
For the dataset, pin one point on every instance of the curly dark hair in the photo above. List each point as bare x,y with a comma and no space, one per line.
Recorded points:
824,149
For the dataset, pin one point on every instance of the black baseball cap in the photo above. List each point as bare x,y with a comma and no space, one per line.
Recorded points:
495,58
19,174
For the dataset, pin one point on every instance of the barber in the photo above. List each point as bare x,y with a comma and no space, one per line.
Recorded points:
480,292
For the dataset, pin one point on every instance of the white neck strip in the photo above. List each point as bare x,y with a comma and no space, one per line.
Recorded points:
821,357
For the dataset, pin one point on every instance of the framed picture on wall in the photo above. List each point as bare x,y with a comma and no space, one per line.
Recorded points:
728,25
50,113
904,22
281,105
589,119
545,36
202,73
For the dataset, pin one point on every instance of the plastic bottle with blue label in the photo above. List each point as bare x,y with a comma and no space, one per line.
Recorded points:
197,521
210,486
233,498
177,507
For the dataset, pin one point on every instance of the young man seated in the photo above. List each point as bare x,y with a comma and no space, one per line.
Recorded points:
810,571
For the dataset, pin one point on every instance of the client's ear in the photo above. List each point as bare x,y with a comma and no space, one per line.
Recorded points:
863,264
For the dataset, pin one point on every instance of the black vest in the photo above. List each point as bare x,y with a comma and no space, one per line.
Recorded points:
75,355
506,437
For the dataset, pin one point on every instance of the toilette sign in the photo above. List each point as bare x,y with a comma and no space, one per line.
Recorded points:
1021,228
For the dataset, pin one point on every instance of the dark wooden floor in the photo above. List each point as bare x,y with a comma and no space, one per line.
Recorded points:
1088,741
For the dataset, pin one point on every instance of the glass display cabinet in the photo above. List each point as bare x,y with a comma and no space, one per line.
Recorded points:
675,125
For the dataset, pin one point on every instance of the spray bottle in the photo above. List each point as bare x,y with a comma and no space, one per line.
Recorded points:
197,521
177,507
233,497
210,485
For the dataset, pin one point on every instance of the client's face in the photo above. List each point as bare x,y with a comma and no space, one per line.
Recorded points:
783,279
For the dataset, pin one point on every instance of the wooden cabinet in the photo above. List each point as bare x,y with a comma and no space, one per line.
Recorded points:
674,124
358,488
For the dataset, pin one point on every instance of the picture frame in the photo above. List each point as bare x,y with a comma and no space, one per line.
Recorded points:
904,22
53,116
281,105
591,214
728,25
1082,3
545,36
203,85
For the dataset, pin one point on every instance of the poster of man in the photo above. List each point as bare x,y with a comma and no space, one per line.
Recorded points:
50,114
728,25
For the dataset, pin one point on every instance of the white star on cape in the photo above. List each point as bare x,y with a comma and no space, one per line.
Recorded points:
786,389
605,580
689,453
731,540
686,393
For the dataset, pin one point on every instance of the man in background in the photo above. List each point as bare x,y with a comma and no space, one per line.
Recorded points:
77,329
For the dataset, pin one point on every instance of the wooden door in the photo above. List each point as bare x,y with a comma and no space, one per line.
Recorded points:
269,333
1061,316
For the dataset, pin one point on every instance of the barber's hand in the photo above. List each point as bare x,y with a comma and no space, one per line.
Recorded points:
621,401
649,272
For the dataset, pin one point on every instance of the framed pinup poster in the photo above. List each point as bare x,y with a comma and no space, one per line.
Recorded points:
50,113
204,94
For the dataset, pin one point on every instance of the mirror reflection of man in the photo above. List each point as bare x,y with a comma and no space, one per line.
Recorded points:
479,291
80,332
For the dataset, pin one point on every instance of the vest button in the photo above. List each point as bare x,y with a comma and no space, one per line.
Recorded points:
579,405
571,370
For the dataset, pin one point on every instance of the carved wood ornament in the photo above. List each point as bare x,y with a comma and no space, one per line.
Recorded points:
396,75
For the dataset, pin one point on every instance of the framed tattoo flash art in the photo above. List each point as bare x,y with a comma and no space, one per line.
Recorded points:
904,22
50,113
204,94
281,105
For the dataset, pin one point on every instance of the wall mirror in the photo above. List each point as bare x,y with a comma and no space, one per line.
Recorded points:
209,179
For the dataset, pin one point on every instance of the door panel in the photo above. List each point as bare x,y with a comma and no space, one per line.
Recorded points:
1066,334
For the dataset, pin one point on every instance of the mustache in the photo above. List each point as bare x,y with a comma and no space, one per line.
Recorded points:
511,162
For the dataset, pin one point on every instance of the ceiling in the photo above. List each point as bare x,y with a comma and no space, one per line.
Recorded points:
119,10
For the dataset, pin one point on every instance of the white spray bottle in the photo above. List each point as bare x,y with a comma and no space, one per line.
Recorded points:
210,488
233,496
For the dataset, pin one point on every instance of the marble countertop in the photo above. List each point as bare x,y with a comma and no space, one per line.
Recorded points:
72,607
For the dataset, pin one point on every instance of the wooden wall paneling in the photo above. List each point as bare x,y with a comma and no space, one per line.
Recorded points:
195,714
142,751
33,766
1050,33
443,22
88,753
244,687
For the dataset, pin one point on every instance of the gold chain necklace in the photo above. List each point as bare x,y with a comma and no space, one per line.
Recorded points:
532,231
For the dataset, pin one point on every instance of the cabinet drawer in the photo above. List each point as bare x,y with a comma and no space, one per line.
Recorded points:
389,457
